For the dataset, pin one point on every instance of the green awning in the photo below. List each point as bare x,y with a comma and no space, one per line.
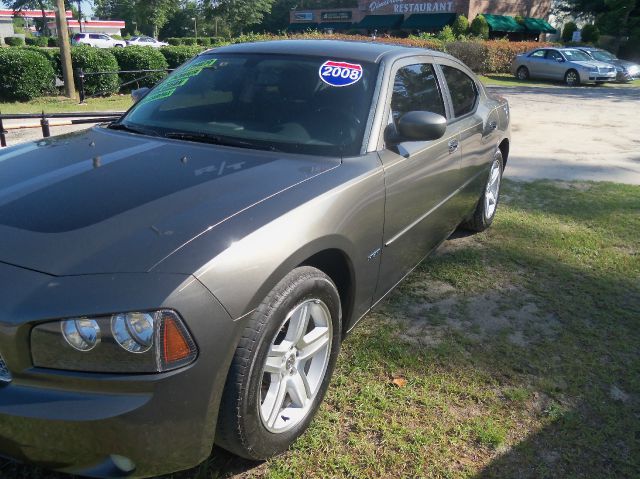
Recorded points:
429,21
302,27
538,25
381,21
336,25
502,23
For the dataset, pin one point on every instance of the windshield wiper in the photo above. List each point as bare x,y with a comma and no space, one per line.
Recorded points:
217,140
132,129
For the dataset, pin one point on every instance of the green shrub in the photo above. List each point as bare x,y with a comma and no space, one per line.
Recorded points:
95,60
480,27
37,41
14,41
52,42
204,41
24,74
174,41
140,58
446,34
176,56
460,26
50,55
590,33
567,31
189,41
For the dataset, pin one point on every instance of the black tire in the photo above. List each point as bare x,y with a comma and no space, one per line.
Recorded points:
240,428
481,219
522,73
572,78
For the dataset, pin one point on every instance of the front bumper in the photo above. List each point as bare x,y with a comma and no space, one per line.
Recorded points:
110,425
601,77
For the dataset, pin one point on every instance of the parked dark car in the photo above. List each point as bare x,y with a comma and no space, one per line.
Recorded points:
570,65
187,274
626,70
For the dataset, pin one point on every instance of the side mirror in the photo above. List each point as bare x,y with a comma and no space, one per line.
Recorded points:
417,126
139,94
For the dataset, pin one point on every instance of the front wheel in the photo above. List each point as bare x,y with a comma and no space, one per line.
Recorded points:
282,366
522,73
572,78
486,208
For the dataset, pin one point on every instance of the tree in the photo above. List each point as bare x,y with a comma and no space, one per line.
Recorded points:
42,5
590,33
148,16
480,27
239,14
460,26
567,31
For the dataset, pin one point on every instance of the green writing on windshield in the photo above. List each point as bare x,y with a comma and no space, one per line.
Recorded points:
169,86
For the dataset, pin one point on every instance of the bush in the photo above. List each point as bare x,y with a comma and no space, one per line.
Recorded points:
189,41
472,53
480,27
95,60
204,41
24,74
176,56
52,42
37,41
174,41
50,55
216,41
567,31
446,34
590,34
460,26
14,41
140,58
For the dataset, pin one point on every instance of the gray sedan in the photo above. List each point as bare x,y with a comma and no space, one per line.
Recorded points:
570,65
187,274
626,70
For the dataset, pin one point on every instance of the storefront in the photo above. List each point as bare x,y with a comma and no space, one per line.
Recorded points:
428,16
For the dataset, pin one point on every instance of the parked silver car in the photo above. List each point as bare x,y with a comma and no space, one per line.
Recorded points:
626,70
571,65
143,41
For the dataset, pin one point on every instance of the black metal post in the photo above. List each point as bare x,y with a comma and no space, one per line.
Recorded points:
44,122
3,139
80,78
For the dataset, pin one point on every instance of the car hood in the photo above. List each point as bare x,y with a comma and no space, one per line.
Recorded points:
103,201
592,64
623,63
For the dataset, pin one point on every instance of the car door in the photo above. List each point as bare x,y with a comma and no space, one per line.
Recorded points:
477,127
535,64
554,67
419,176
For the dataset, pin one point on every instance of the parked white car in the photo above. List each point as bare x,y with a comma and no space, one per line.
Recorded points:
98,40
146,42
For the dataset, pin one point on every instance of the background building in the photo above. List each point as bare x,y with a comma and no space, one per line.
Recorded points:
428,16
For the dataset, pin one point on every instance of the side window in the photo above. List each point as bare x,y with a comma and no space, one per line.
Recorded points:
553,55
464,93
415,88
538,54
94,36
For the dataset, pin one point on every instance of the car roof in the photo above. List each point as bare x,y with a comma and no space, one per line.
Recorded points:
354,50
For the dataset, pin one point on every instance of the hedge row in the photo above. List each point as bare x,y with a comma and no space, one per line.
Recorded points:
25,74
192,41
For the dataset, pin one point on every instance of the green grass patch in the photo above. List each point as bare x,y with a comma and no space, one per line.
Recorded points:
64,105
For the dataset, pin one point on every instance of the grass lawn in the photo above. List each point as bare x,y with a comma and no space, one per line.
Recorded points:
506,79
520,348
62,105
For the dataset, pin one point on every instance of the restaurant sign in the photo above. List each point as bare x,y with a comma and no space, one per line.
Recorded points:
303,16
406,6
336,16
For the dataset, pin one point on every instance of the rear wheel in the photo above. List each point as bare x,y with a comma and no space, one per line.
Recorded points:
486,208
282,366
572,78
522,73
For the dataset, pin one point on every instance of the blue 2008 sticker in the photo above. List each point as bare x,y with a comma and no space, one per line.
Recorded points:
340,73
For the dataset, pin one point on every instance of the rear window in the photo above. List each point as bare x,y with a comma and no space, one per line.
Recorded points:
78,36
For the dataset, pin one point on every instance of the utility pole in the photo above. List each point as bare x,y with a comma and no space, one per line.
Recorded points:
80,14
65,50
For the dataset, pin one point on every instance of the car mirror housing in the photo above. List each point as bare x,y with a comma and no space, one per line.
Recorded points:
417,126
139,94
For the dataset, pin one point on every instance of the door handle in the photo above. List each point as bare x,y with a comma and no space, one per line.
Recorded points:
493,125
453,146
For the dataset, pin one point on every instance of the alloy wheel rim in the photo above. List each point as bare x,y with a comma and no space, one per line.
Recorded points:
571,78
296,365
493,190
522,74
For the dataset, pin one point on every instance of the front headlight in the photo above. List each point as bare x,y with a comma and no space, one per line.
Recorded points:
134,342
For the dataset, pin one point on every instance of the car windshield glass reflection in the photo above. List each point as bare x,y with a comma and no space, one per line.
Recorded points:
278,102
576,56
603,56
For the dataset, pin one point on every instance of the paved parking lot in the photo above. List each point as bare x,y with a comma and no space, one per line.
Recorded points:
584,133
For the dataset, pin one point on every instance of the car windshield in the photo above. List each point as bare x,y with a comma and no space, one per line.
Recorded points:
288,103
602,55
576,55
